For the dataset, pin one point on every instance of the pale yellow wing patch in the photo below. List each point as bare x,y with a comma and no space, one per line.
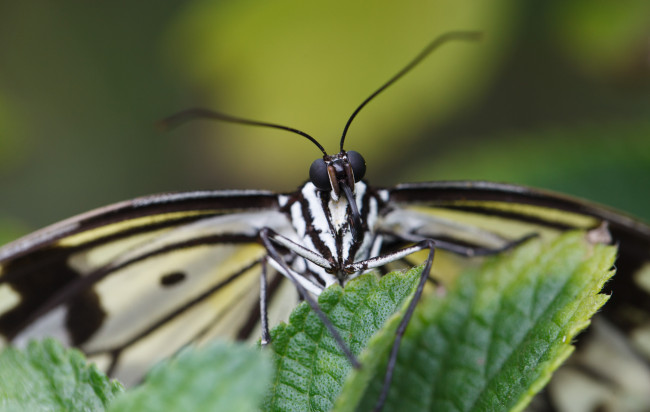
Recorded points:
159,289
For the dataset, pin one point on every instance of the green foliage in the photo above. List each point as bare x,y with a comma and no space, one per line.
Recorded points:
310,366
220,377
493,341
46,376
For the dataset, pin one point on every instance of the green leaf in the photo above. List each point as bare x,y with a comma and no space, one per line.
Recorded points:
218,377
47,376
310,366
497,335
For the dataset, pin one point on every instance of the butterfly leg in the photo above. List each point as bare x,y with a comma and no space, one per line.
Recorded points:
470,251
464,250
264,318
383,260
268,236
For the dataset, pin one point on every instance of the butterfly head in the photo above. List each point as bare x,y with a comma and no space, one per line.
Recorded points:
336,172
336,175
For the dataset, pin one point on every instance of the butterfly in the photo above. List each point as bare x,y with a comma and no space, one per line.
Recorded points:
131,283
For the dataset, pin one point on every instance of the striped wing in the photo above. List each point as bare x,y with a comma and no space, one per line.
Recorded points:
131,283
613,355
511,211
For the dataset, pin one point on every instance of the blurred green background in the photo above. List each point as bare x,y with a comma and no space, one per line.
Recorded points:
556,95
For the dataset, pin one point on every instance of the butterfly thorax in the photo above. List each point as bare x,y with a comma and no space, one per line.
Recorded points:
323,225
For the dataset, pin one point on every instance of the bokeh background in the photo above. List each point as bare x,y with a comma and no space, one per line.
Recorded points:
556,95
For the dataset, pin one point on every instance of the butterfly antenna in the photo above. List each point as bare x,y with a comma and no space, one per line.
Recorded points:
439,41
198,113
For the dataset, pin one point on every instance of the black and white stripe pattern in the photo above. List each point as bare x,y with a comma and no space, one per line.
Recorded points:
322,226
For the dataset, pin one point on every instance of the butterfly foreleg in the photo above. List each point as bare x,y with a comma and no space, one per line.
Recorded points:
268,237
464,239
298,249
264,317
469,251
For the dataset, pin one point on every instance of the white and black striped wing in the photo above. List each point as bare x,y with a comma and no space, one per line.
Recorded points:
131,283
613,355
488,214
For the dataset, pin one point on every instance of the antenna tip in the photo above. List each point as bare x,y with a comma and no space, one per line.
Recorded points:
176,119
162,125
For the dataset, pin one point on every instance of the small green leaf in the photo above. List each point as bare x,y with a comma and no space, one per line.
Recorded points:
47,376
493,341
218,377
311,367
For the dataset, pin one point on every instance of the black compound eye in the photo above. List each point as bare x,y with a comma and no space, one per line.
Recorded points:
318,175
358,164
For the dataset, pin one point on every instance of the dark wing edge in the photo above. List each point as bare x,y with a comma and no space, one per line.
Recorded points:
184,206
459,192
489,198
